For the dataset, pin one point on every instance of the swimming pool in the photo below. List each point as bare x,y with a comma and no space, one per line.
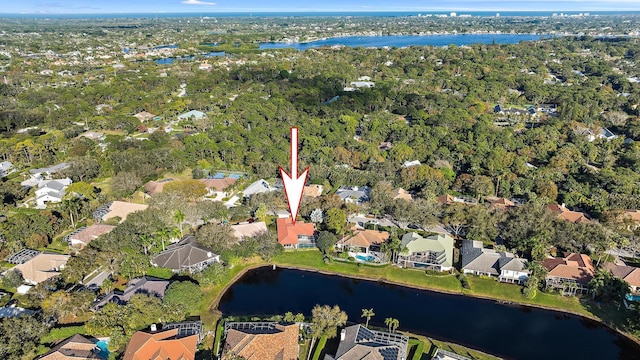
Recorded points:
366,258
104,351
632,297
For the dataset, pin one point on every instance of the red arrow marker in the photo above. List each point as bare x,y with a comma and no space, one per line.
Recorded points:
294,184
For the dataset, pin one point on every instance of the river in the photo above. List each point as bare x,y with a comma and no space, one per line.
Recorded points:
408,40
511,332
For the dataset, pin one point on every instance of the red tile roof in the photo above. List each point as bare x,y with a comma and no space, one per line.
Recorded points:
218,184
566,214
282,345
161,346
572,266
288,233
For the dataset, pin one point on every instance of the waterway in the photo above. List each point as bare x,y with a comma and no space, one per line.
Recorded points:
508,331
408,40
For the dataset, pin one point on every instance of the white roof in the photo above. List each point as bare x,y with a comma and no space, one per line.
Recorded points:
260,186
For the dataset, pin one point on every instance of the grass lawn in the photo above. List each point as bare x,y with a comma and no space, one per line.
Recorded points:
62,333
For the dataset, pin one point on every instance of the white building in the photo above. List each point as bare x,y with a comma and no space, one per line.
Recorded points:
51,191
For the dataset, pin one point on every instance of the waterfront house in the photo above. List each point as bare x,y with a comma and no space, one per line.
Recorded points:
295,236
571,270
42,267
161,345
488,262
75,347
262,340
363,243
629,274
433,252
357,342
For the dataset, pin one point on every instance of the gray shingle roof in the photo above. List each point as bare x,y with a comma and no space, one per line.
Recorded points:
186,254
477,258
362,343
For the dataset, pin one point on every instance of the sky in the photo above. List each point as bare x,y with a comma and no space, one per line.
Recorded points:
220,6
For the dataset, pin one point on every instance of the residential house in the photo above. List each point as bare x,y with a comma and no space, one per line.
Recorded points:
5,168
575,217
93,135
363,242
356,85
75,347
629,274
433,252
354,195
144,285
117,209
358,343
488,262
313,191
262,340
164,345
295,236
385,145
447,199
193,114
156,187
187,328
144,116
248,230
51,191
401,193
216,187
86,234
205,66
42,267
187,254
499,203
14,311
572,268
407,164
22,256
47,172
258,187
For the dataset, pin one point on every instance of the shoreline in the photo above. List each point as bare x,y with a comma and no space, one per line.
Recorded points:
213,307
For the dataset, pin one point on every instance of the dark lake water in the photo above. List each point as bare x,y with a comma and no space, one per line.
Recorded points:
511,332
408,40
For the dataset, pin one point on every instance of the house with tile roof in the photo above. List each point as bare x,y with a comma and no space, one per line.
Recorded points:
488,262
76,347
363,242
500,203
401,193
571,268
83,237
359,343
629,274
164,345
248,230
312,191
216,187
156,187
42,267
144,116
145,285
264,341
433,252
187,255
117,209
296,236
563,213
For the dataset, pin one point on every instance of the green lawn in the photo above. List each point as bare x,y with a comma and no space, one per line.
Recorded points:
62,333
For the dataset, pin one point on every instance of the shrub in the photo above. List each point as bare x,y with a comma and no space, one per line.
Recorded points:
464,281
12,279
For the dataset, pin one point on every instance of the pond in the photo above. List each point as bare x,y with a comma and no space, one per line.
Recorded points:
408,40
511,332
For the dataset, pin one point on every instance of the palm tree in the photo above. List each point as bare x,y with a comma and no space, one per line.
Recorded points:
392,323
325,321
147,242
368,313
163,234
179,218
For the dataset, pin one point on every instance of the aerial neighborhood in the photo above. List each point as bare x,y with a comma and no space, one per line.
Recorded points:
144,215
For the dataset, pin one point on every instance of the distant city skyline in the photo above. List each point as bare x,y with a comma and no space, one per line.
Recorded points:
222,6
